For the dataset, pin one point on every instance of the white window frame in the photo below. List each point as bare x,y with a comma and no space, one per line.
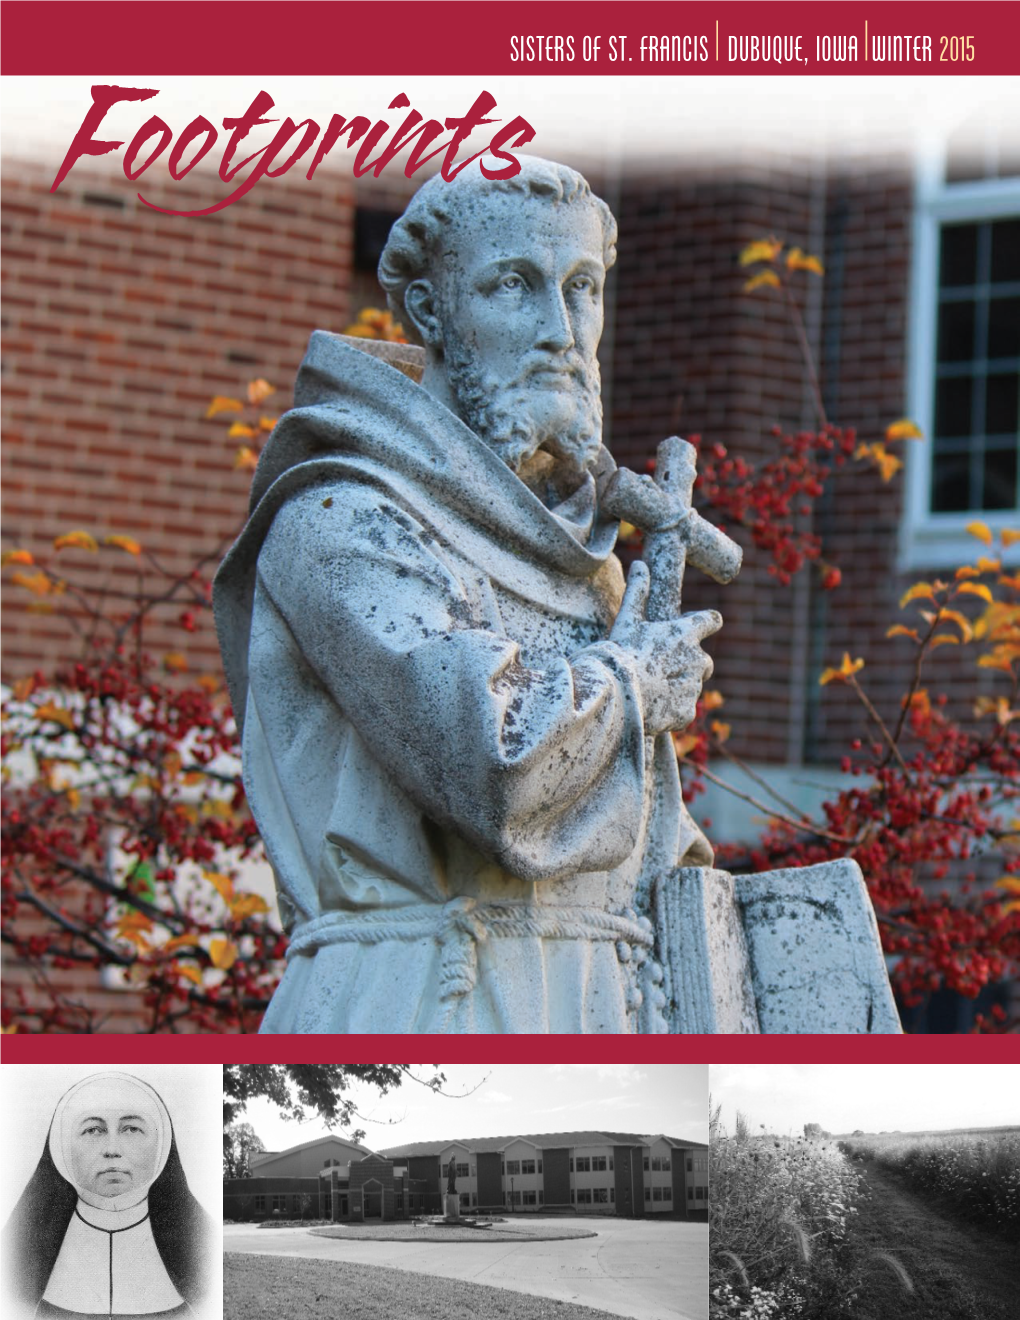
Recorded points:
939,540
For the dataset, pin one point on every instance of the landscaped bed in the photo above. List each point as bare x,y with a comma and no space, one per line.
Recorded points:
303,1289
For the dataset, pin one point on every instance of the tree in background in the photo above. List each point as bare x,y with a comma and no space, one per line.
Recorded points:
240,1143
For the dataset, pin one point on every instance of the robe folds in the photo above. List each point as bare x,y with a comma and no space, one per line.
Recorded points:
444,752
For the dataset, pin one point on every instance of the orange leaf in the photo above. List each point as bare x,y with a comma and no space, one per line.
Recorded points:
259,390
1009,536
16,557
241,428
846,670
38,583
174,662
126,543
899,630
919,701
961,621
267,423
763,279
997,660
917,591
712,700
181,942
981,531
246,905
1011,581
944,639
1011,883
966,571
222,404
974,589
762,249
684,743
904,429
75,541
51,711
223,954
223,884
192,778
23,688
798,260
721,730
190,971
246,459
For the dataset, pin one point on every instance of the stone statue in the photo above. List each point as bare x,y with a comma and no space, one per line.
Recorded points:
456,720
451,1179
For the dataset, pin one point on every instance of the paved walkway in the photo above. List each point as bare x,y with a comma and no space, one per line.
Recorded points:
637,1268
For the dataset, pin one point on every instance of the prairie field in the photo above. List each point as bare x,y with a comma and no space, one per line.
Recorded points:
911,1226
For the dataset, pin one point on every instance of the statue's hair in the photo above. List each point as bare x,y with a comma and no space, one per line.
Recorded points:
416,237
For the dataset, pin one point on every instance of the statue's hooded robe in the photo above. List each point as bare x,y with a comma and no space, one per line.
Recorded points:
443,752
72,1255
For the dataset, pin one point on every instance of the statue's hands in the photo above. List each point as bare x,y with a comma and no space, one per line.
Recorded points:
671,664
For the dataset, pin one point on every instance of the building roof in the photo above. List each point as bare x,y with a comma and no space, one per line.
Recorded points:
331,1140
543,1140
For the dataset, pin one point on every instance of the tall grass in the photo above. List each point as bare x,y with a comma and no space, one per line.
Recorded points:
976,1174
781,1214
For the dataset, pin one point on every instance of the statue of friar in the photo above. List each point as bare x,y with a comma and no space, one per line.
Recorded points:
456,719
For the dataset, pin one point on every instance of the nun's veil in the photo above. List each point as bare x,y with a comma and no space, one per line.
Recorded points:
180,1227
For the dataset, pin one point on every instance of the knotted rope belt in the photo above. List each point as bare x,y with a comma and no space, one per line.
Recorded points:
462,924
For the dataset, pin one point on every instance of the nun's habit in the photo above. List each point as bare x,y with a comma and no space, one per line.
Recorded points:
107,1226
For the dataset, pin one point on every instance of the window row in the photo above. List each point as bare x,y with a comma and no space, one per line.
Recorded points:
697,1163
461,1170
658,1194
594,1196
657,1164
524,1198
697,1193
521,1166
592,1164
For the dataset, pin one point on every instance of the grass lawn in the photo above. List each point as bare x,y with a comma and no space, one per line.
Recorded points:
546,1231
303,1289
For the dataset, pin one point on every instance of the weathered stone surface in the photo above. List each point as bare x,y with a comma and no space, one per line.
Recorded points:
816,960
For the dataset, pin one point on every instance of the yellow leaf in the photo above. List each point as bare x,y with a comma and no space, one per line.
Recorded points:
1011,883
126,543
712,700
39,607
223,954
246,905
75,541
246,459
997,660
1011,581
259,390
846,670
191,778
899,630
172,763
141,942
133,920
241,428
961,621
38,583
267,423
23,688
208,683
73,799
721,730
985,565
174,662
222,404
917,591
684,743
944,639
16,557
798,260
189,970
888,464
973,589
904,429
763,278
51,711
981,531
966,571
9,1031
1009,536
223,884
762,249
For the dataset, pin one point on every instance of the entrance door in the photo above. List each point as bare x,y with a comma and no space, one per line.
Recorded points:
373,1205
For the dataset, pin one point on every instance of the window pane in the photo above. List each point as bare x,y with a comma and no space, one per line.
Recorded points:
956,332
1004,327
958,263
1006,250
1002,403
952,407
1000,479
951,483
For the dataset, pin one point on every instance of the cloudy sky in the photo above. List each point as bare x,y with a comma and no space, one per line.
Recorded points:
503,1099
873,1097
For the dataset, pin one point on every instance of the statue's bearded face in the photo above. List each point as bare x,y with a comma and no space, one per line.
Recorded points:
521,314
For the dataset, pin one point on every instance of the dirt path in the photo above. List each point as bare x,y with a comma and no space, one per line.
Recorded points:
958,1272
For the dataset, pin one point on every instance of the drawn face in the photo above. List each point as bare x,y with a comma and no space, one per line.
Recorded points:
522,315
112,1148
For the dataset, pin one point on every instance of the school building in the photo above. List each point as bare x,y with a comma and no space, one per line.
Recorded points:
564,1172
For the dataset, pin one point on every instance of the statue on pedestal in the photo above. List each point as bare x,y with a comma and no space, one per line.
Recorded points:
456,717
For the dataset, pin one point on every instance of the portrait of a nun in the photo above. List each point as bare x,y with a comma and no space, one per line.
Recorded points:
107,1225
